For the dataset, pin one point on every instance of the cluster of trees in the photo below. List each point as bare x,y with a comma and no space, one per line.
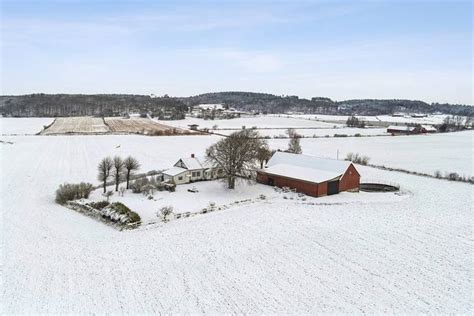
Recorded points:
356,158
456,123
353,121
118,169
239,154
52,105
69,192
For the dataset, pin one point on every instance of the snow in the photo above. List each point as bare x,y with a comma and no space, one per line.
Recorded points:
263,121
300,173
305,167
430,119
449,152
210,106
348,253
23,126
401,128
196,163
184,201
311,132
174,171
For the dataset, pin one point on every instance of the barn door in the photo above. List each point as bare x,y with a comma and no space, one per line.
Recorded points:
333,187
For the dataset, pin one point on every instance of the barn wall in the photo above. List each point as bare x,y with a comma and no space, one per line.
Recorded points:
322,188
308,188
350,180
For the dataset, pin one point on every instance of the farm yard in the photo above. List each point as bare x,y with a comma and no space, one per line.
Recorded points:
350,253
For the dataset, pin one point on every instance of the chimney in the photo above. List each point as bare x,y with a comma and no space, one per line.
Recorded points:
192,155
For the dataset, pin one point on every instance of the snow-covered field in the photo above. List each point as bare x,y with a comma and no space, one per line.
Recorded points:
259,121
317,132
338,254
451,152
430,119
23,126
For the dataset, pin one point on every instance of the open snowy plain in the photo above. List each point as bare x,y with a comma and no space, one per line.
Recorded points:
408,253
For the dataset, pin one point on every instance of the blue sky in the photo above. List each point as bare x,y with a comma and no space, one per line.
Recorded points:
339,49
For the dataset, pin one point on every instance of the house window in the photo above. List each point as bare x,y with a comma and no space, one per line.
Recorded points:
180,178
196,174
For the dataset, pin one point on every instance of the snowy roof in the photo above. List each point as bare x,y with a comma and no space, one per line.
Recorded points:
174,171
209,106
305,167
401,128
193,163
429,127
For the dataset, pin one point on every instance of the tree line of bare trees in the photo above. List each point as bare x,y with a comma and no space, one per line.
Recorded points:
118,169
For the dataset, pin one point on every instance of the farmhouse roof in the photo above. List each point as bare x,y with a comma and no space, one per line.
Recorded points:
174,171
194,163
305,167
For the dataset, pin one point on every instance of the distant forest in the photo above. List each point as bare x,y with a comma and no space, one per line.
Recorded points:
268,103
52,105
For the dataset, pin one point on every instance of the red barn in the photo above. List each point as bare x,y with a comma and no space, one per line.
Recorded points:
310,175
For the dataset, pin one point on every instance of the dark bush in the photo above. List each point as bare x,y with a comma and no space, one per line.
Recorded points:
98,205
69,192
122,209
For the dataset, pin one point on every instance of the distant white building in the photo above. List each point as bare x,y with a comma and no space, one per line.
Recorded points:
191,169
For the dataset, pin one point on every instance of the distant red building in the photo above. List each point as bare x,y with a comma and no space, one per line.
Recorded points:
310,175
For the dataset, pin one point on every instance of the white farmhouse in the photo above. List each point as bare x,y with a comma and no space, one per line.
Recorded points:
191,169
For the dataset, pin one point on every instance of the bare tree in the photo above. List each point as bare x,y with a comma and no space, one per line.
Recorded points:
236,155
263,154
130,164
294,143
119,168
105,167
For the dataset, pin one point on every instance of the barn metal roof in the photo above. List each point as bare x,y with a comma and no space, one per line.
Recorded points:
306,167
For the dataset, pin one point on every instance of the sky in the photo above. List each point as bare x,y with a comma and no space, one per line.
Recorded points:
401,49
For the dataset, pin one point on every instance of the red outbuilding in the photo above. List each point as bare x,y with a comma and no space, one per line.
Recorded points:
309,175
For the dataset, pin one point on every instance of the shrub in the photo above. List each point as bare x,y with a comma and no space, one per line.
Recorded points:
356,158
124,210
438,174
453,176
69,192
340,135
357,135
262,197
165,212
98,205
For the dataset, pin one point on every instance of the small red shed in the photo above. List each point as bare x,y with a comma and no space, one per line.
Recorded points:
310,175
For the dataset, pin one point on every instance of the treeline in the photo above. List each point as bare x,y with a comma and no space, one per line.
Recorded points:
265,103
269,103
53,105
